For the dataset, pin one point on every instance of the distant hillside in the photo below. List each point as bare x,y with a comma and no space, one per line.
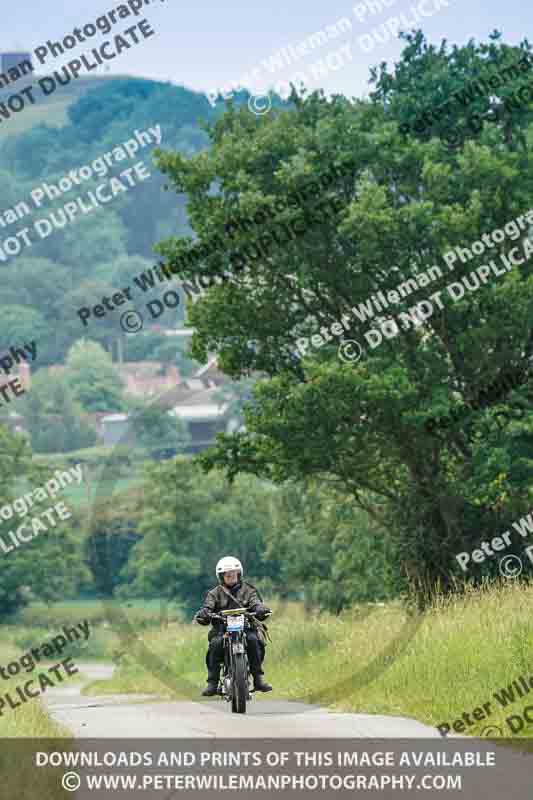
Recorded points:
52,109
100,252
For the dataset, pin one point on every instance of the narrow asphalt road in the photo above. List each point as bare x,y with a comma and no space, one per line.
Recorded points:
143,716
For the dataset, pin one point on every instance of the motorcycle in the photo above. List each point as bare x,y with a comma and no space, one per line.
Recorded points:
236,685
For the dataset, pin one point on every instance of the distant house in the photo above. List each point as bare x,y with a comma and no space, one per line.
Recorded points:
114,428
148,378
191,400
14,66
184,333
144,379
203,416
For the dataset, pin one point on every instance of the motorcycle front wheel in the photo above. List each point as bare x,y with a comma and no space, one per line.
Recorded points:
240,688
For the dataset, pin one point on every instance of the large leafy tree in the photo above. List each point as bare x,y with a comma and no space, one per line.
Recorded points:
328,548
112,534
19,325
403,203
188,524
47,567
39,285
164,563
53,419
94,381
15,460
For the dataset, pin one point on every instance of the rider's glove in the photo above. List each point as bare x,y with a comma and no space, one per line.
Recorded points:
261,611
203,616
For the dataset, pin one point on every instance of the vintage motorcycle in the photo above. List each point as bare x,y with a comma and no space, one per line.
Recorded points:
236,683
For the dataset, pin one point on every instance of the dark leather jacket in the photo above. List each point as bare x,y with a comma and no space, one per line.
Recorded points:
240,596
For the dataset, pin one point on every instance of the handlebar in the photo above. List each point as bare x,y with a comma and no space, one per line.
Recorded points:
222,617
228,612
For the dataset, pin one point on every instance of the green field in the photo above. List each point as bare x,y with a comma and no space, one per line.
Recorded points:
98,480
80,497
140,613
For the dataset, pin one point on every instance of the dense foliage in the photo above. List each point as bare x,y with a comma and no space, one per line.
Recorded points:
163,537
315,545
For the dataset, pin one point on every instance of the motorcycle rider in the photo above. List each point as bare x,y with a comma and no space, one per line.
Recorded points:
232,592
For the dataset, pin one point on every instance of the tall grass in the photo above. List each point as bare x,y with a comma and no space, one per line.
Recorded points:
29,722
29,719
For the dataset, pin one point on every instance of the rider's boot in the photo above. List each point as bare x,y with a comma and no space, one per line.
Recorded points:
212,683
260,685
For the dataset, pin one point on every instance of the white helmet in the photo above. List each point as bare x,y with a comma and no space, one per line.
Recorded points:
226,564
